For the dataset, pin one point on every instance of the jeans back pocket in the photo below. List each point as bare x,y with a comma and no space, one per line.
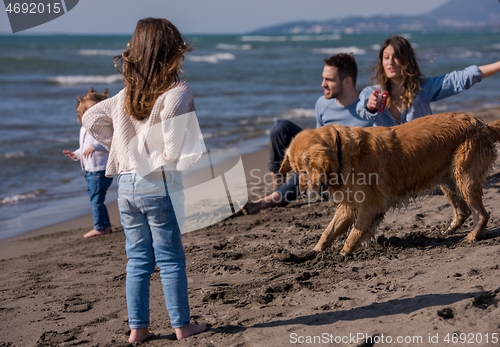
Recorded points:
157,209
127,213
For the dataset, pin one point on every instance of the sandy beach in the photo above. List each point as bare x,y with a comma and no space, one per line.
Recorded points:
411,288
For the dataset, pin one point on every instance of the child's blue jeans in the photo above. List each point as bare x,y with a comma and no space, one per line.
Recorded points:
153,237
97,186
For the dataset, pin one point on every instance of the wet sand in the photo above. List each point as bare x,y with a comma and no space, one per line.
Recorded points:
412,285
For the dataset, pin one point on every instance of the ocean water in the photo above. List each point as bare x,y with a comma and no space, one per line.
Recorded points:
241,85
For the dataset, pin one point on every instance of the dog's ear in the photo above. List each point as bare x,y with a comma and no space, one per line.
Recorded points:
285,165
319,162
304,160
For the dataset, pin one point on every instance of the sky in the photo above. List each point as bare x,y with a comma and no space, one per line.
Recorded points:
212,16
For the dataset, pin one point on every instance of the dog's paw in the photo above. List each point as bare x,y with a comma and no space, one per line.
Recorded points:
445,233
449,231
346,254
469,239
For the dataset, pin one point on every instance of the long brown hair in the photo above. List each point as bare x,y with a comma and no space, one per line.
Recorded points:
409,69
92,95
151,64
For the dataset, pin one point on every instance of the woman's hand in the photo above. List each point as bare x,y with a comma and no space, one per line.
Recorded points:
374,102
167,158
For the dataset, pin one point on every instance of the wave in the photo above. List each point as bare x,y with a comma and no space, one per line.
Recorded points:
332,51
216,134
259,38
439,108
297,113
110,52
254,127
293,113
264,38
13,199
469,54
334,37
78,79
233,47
12,155
211,58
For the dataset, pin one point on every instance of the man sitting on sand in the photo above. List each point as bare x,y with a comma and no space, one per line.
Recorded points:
337,105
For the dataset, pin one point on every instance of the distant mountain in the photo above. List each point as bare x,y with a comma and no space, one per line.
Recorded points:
455,15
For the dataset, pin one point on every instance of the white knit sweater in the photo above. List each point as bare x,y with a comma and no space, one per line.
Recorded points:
140,146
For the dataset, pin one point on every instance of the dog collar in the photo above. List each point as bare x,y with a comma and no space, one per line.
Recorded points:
339,156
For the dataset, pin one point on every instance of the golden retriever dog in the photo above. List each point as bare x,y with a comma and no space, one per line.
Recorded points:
370,170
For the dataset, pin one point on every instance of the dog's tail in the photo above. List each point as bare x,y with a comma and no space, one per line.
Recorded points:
495,129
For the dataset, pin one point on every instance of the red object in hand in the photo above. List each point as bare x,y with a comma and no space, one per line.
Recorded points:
385,97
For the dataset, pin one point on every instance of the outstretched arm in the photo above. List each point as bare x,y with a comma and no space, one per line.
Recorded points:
490,69
70,154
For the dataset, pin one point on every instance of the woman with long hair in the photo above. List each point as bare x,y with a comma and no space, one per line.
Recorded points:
144,128
406,91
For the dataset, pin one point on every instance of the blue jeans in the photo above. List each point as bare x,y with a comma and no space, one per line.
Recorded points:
97,186
282,133
152,237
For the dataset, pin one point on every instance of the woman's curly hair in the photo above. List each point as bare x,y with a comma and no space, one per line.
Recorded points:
412,77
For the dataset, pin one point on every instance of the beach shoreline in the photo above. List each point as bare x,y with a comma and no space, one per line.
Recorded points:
63,212
59,289
254,161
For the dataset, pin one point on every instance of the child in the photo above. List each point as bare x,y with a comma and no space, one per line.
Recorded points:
93,160
144,128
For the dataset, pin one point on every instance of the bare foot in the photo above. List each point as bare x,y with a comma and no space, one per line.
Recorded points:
272,200
189,330
94,232
141,334
250,207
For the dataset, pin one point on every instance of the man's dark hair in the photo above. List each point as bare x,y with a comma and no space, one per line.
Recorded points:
345,64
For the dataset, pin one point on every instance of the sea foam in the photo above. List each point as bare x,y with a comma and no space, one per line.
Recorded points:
8,200
264,38
332,51
110,52
79,79
226,46
290,114
211,58
11,155
334,37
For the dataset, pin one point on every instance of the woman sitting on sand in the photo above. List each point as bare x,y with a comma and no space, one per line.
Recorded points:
409,92
147,115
